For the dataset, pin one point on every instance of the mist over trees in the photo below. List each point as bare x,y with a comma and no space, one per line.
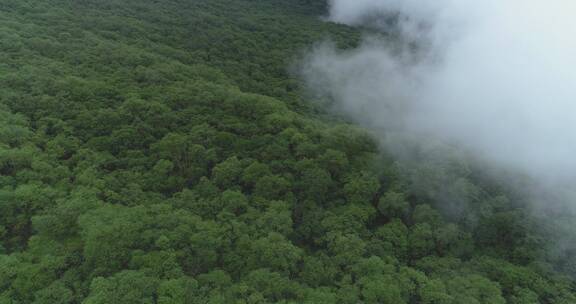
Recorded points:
161,152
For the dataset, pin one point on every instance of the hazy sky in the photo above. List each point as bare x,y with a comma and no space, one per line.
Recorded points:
495,76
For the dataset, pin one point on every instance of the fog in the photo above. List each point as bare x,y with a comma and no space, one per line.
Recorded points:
496,77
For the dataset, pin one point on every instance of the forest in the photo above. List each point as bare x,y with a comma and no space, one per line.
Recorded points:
165,152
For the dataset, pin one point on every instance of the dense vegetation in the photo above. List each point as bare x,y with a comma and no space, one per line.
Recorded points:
160,152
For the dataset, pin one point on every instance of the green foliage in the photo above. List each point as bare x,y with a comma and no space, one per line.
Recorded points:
162,152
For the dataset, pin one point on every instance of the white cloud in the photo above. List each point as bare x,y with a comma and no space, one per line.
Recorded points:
496,76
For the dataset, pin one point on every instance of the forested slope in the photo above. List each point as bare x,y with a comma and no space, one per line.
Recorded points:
160,152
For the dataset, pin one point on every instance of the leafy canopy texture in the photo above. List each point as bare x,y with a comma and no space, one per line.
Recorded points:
161,152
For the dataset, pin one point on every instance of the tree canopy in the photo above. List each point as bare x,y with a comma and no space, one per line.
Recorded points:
162,152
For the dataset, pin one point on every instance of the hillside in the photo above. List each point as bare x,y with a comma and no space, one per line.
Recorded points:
163,152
